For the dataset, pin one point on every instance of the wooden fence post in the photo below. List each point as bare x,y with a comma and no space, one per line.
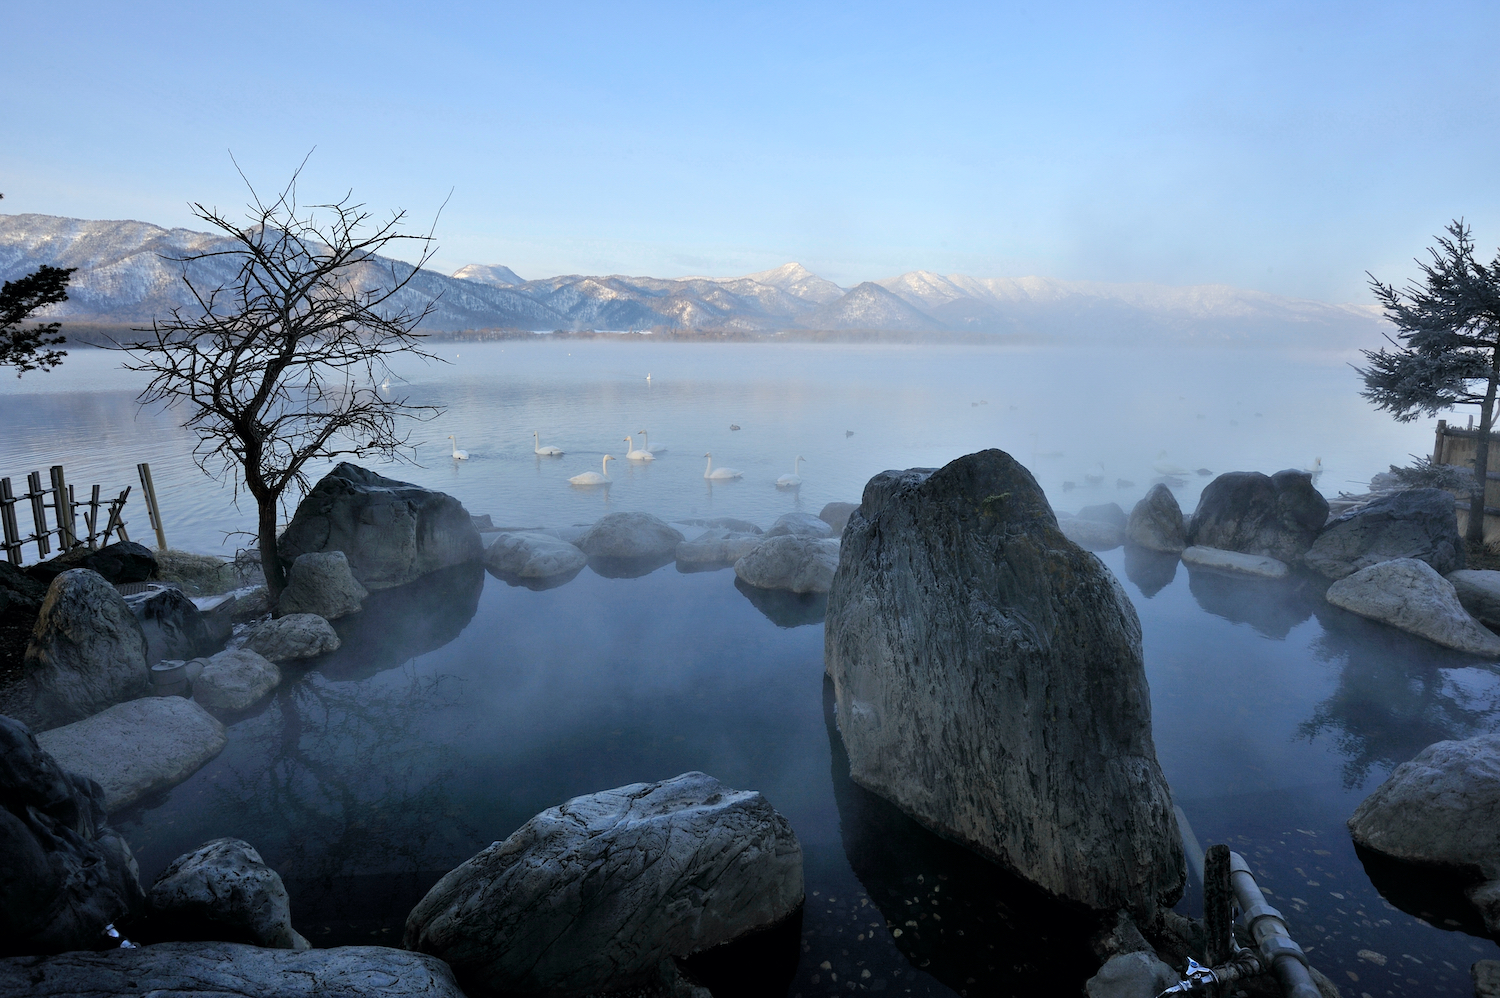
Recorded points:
8,528
38,514
148,490
62,510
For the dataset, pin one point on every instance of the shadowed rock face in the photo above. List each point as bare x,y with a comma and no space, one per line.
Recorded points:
88,651
593,895
222,891
1417,523
392,532
1276,516
989,681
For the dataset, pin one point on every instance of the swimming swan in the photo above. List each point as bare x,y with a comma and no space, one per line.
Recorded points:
718,474
548,451
1164,467
594,477
794,479
647,446
458,455
637,455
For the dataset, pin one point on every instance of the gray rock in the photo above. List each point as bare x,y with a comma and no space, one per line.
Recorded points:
795,564
119,563
836,515
222,891
321,582
67,875
1131,975
800,525
1442,809
87,651
1486,977
1109,512
1095,535
171,623
594,894
1479,592
1156,522
392,532
1234,561
1416,523
1409,594
717,546
230,970
234,679
533,555
1278,516
724,523
572,534
134,748
631,536
295,636
989,681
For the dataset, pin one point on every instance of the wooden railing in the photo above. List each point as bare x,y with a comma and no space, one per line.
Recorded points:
57,497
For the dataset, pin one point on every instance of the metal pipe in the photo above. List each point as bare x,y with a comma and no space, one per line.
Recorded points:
1266,927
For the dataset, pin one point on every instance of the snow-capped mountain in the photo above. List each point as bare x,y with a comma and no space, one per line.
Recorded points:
129,272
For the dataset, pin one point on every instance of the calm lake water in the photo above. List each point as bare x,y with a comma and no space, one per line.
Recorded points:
455,712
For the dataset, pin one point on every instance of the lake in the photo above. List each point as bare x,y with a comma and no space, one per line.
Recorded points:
453,714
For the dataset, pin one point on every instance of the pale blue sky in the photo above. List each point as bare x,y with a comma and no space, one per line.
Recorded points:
1286,147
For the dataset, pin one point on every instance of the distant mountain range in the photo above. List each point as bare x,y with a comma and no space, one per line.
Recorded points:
127,274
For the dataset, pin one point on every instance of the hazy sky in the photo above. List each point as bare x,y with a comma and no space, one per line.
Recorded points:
1283,147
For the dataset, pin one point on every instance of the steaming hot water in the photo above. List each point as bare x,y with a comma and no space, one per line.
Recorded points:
451,716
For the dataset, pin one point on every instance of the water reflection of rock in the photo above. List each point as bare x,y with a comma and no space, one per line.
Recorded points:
350,801
960,918
1396,695
629,568
1271,606
1435,894
536,585
1151,571
786,609
396,625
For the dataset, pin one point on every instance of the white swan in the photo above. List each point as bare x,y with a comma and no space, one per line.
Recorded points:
386,384
549,450
637,455
646,444
718,474
1315,469
1162,467
794,479
594,477
458,455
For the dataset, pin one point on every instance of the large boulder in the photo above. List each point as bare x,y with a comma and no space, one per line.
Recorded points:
234,679
836,515
171,622
293,637
392,532
223,891
717,546
1277,515
631,536
1092,535
800,525
1439,810
135,748
230,970
66,874
1409,594
1479,591
321,582
21,599
533,555
1105,512
989,681
119,563
795,564
1156,522
595,894
1416,523
87,652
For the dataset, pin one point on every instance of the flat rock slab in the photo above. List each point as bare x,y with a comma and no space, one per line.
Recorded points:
134,748
1442,809
533,555
295,636
234,679
1479,591
1411,595
229,970
1233,561
593,895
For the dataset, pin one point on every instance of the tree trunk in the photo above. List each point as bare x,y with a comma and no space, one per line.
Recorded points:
270,561
1474,535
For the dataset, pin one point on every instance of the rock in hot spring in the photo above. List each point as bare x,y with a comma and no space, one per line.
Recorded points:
593,895
989,681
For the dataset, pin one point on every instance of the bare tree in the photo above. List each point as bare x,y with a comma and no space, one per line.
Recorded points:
277,366
1448,354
